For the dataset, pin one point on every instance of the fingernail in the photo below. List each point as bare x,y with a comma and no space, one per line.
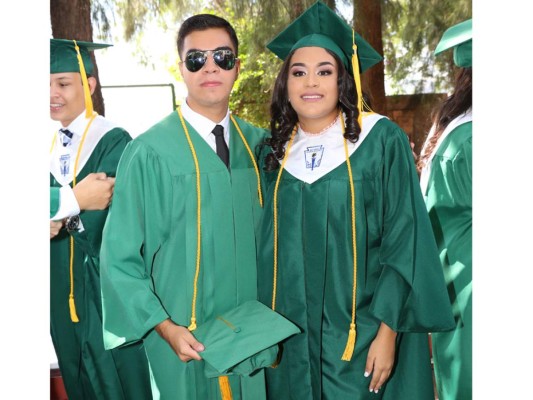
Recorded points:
367,374
375,391
371,390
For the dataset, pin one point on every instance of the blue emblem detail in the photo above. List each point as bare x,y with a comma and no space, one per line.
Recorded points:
64,164
313,156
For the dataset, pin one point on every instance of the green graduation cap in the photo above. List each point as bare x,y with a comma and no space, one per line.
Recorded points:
319,26
458,37
64,57
73,56
243,339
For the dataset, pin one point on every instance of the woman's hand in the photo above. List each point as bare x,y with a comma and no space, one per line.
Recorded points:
380,359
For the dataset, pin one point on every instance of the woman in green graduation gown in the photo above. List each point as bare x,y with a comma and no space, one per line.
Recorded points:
347,251
446,181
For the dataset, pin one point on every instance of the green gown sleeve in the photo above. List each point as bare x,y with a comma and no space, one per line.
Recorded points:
130,306
106,155
410,295
54,200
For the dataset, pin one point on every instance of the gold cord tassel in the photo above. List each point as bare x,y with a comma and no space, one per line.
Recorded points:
192,326
225,388
72,307
71,304
350,345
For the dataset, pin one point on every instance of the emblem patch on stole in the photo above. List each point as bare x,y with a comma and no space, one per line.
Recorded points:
64,164
313,156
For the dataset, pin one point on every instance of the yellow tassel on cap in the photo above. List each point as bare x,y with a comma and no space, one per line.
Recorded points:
357,80
86,91
225,388
350,345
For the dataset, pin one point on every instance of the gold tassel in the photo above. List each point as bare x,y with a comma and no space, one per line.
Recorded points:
86,91
192,326
72,307
357,80
225,388
348,351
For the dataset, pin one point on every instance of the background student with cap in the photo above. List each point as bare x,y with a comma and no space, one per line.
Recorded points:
85,149
446,181
347,252
188,198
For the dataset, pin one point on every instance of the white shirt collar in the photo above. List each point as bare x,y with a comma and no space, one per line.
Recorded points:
203,125
77,127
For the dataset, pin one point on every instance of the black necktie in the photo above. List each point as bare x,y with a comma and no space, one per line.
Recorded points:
67,136
222,147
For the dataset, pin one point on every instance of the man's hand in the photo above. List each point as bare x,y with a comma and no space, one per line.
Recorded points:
181,340
55,227
94,192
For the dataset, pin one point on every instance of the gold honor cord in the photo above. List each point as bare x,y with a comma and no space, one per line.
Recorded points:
251,157
198,197
350,345
275,206
192,326
71,303
223,381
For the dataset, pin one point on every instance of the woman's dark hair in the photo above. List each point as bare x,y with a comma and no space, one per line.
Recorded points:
283,118
458,103
202,22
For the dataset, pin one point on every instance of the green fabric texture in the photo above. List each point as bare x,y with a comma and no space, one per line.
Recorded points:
63,56
87,369
449,204
241,333
149,276
319,26
54,201
458,37
399,278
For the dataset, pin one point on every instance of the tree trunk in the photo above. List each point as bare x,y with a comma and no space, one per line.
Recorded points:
71,19
367,17
296,7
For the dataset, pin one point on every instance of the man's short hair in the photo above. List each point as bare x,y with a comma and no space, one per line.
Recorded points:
201,22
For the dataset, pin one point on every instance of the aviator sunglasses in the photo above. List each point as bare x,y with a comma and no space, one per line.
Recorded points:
196,59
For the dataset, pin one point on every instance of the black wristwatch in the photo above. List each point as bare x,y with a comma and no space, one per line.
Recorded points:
73,223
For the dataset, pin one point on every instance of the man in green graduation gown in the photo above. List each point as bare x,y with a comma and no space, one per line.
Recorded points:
446,181
179,244
86,148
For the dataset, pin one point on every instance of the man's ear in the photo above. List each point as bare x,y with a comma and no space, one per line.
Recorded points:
92,83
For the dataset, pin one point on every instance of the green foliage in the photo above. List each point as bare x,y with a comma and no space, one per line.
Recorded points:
411,31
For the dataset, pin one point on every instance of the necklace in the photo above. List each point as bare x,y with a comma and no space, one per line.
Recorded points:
322,131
